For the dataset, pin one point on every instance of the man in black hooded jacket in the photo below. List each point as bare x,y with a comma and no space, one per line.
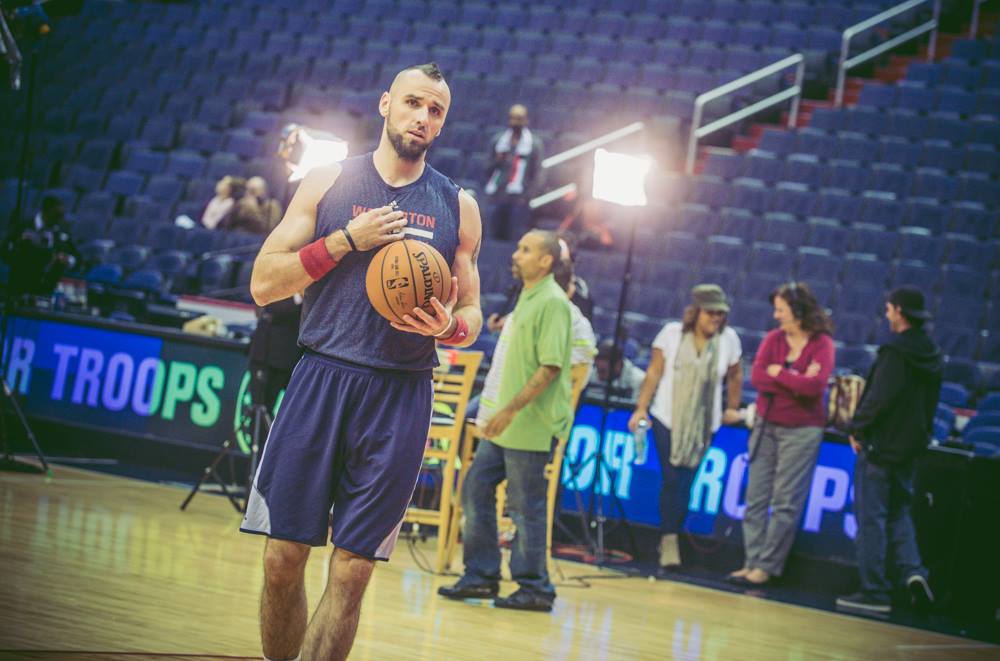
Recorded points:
891,427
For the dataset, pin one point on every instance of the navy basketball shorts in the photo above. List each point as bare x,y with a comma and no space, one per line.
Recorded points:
347,437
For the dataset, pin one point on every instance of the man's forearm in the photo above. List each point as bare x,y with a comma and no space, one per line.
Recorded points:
537,384
278,275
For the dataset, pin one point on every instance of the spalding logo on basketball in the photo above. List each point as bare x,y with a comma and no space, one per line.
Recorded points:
404,275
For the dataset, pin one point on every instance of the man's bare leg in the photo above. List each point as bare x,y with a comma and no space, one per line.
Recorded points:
283,608
333,625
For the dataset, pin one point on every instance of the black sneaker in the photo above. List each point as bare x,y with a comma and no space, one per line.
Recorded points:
466,589
526,600
863,603
920,591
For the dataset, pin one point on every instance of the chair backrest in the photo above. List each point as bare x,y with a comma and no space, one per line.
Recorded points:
453,381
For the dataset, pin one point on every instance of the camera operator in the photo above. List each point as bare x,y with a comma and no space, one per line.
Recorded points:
41,251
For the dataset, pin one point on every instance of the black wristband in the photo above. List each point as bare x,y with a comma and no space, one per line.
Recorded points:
350,240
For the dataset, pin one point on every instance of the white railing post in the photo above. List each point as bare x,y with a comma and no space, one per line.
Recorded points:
974,23
845,64
794,93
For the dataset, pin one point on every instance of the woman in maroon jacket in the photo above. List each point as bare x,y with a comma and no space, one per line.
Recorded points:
790,373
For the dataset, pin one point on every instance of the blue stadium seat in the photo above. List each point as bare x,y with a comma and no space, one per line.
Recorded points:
956,341
880,208
726,251
969,252
772,258
856,147
990,403
683,247
129,257
750,194
759,286
876,95
954,395
792,198
935,183
848,175
960,311
125,183
973,219
864,271
857,359
959,280
854,328
698,219
909,272
828,234
874,239
817,264
918,244
740,223
763,165
838,204
926,213
777,141
784,229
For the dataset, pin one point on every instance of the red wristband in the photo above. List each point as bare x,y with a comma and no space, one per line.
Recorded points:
459,335
316,259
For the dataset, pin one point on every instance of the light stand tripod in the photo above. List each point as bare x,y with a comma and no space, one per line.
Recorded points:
260,425
7,396
596,517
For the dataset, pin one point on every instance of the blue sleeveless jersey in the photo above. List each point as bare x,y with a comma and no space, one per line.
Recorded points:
337,319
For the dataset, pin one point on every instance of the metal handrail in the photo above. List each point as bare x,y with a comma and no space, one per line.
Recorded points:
794,93
844,64
974,23
574,152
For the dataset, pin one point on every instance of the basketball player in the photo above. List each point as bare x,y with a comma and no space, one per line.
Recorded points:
352,428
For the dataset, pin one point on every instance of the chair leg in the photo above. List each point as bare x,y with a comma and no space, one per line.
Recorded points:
444,517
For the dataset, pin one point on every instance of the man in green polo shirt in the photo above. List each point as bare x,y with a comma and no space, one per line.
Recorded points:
524,405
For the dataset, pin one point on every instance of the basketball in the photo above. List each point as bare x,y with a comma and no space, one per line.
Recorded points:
404,275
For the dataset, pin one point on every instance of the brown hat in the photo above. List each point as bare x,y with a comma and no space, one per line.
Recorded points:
709,297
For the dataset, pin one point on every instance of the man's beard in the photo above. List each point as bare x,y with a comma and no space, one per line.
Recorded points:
408,152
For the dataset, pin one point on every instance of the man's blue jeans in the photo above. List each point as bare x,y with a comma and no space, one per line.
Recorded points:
882,502
526,491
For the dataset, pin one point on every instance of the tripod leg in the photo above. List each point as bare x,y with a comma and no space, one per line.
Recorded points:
210,470
12,400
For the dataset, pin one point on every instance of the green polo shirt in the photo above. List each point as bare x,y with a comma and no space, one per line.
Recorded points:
542,335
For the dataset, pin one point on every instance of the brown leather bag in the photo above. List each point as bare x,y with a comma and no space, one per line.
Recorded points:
845,395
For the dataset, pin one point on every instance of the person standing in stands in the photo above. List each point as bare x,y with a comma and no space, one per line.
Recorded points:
515,174
524,406
790,373
890,429
690,361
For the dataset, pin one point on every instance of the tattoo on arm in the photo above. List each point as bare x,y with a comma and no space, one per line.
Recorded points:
475,252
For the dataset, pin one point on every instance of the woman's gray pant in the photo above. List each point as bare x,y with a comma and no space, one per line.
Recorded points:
781,469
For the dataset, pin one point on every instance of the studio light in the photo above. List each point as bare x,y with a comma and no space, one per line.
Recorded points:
304,149
621,178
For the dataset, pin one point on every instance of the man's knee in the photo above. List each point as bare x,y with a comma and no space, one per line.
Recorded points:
284,561
350,567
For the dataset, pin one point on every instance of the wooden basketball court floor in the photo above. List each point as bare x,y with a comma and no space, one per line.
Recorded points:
102,567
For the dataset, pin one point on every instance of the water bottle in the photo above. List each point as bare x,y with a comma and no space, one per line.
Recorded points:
641,446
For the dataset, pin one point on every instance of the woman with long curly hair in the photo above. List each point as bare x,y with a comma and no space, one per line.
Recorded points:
790,373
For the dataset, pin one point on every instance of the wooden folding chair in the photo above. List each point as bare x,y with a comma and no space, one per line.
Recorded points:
553,469
453,383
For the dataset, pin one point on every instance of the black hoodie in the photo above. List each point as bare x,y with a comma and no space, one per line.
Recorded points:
896,415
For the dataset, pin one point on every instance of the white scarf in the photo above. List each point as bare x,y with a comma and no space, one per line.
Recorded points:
515,180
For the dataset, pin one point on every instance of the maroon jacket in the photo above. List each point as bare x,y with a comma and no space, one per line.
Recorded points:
792,399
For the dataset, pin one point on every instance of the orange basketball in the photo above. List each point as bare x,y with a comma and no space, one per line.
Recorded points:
404,275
